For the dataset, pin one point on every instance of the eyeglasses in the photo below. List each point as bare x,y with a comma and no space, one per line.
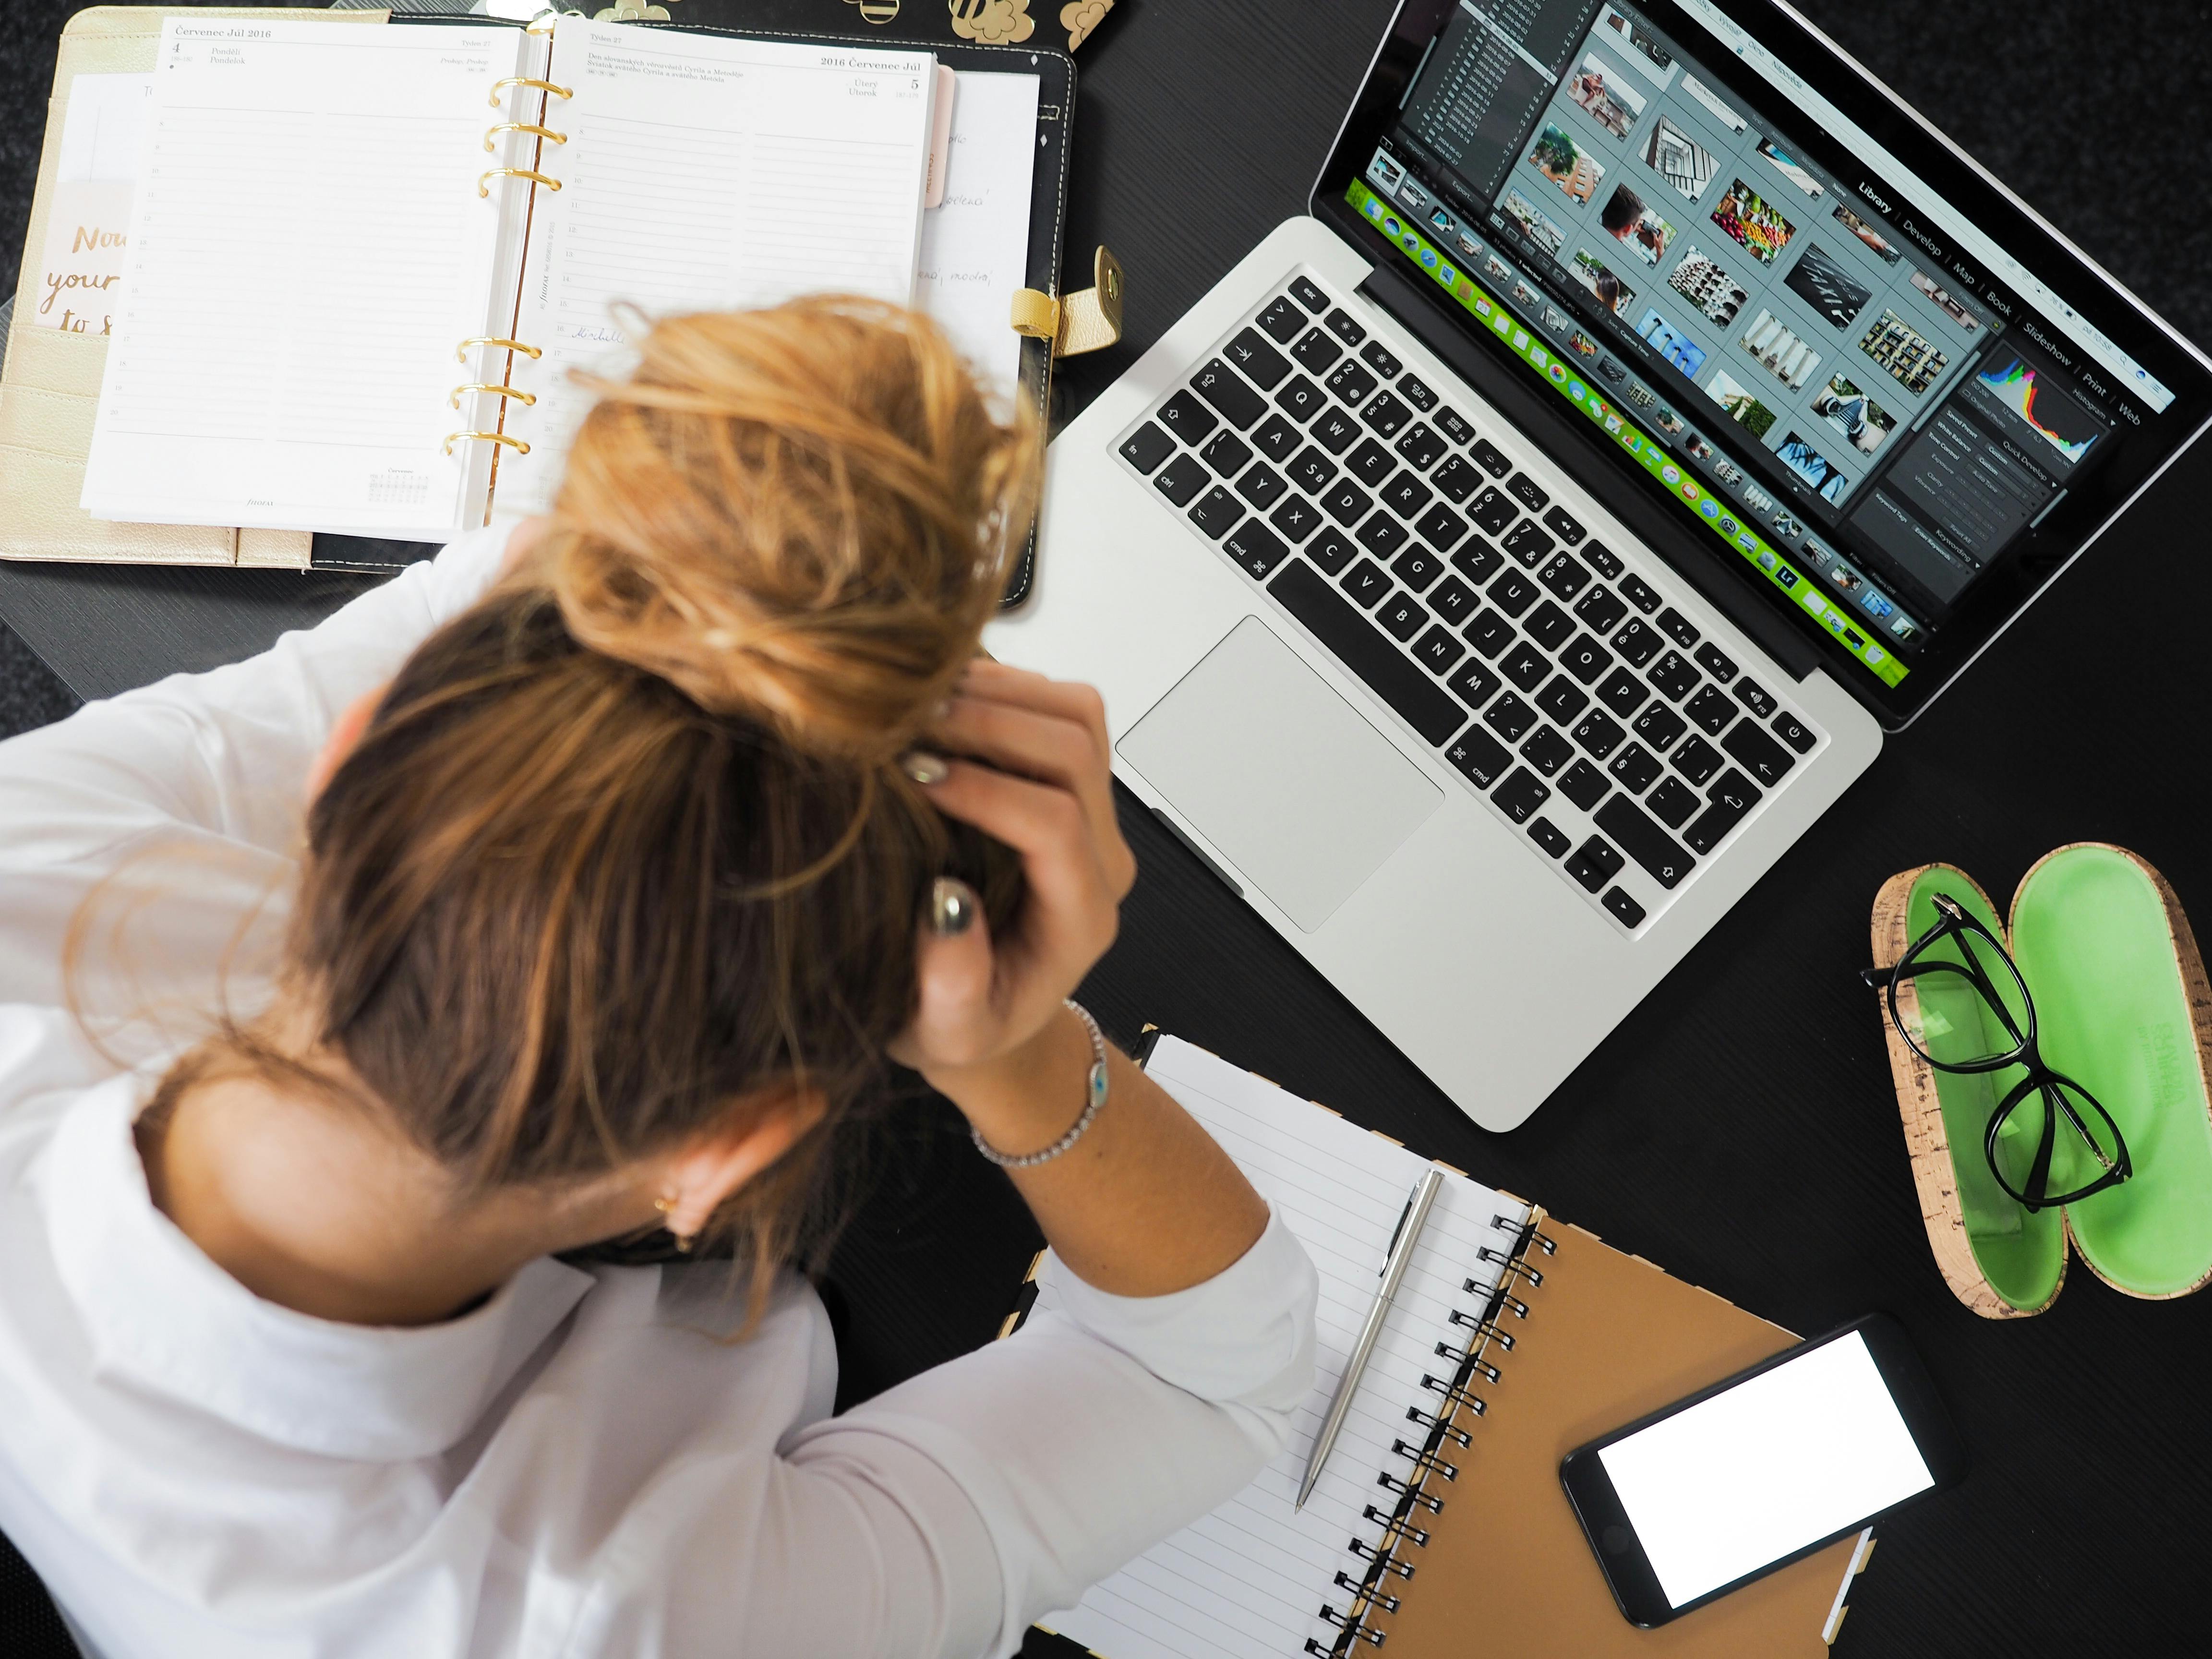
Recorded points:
1965,1025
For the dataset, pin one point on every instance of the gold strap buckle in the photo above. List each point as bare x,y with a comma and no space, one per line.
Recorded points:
1076,322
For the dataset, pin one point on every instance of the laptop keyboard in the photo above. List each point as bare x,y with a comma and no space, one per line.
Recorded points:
1562,680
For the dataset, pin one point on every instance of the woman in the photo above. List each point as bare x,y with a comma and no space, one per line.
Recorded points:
624,875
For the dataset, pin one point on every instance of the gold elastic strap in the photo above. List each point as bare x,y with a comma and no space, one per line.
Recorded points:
522,126
1078,322
499,86
515,444
461,352
483,189
454,397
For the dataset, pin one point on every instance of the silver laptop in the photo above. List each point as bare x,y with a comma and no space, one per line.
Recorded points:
1508,560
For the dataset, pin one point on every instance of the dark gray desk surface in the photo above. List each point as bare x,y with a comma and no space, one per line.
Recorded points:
1739,1128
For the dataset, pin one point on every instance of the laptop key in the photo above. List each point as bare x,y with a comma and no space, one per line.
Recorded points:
1310,294
1758,754
1594,864
1710,711
1549,836
1662,857
1353,640
1526,542
1346,501
1756,697
1493,510
1599,733
1474,684
1262,486
1584,785
1527,491
1512,593
1491,459
1726,803
1439,649
1334,430
1673,802
1260,361
1225,453
1791,730
1546,750
1477,559
1442,526
1637,642
1454,600
1635,768
1283,318
1674,676
1660,726
1385,414
1187,418
1456,480
1216,512
1317,352
1522,794
1489,633
1453,425
1697,760
1417,566
1417,393
1312,471
1563,700
1332,550
1626,909
1640,594
1526,667
1366,582
1256,548
1381,535
1351,382
1600,609
1563,576
1401,616
1549,626
1372,464
1716,662
1181,479
1677,627
1300,399
1340,325
1219,385
1564,524
1510,718
1406,495
1622,692
1606,560
1297,518
1420,446
1480,756
1586,659
1380,358
1146,448
1277,438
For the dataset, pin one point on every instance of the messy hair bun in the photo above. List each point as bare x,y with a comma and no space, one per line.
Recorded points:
803,515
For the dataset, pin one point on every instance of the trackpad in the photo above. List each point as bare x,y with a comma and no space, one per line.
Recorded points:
1280,772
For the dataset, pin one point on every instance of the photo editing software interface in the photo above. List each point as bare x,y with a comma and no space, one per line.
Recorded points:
1860,411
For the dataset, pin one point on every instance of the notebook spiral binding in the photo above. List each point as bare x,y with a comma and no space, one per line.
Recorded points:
1412,1499
504,388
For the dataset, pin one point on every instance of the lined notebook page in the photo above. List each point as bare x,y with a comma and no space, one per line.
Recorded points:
307,247
1246,1581
975,243
704,173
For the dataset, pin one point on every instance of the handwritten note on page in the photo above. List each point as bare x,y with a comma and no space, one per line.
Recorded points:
306,249
1246,1581
975,245
706,174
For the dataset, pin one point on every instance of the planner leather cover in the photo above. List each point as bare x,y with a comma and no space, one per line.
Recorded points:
1607,1338
50,385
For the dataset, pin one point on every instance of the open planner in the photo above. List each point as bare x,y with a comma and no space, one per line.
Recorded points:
363,262
1438,1526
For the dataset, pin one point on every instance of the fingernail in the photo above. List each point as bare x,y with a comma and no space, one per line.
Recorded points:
925,768
952,907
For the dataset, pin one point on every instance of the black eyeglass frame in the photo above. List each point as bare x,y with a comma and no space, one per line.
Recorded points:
2052,1084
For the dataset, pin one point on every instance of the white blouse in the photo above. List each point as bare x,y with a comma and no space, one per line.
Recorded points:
580,1466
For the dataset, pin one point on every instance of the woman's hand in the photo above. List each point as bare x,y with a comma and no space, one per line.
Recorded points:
1037,777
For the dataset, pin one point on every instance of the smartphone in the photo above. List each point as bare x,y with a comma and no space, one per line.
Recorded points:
1759,1471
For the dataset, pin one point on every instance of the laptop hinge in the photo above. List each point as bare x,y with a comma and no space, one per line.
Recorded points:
1564,439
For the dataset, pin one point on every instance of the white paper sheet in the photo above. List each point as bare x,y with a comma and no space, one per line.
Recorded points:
80,281
974,247
1245,1581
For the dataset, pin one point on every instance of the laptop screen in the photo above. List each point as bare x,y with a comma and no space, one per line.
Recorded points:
1832,367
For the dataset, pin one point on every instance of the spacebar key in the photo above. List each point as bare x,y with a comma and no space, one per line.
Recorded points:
1367,652
1642,839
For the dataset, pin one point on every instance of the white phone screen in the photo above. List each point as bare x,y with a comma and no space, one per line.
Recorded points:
1753,1475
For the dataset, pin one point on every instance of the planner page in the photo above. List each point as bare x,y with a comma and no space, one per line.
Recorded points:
975,243
1246,1581
701,173
307,247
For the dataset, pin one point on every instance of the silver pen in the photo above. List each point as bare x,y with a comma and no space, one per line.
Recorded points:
1393,1270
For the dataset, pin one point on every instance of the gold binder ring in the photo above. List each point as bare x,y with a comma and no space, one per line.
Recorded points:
461,352
515,444
483,189
499,86
454,398
522,126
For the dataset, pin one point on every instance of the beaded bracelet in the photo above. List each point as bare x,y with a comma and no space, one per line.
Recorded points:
1094,1096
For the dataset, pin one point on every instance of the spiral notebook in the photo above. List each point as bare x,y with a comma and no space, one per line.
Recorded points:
1438,1526
362,261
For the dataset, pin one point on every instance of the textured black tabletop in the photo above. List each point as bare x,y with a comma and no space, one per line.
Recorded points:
1739,1128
